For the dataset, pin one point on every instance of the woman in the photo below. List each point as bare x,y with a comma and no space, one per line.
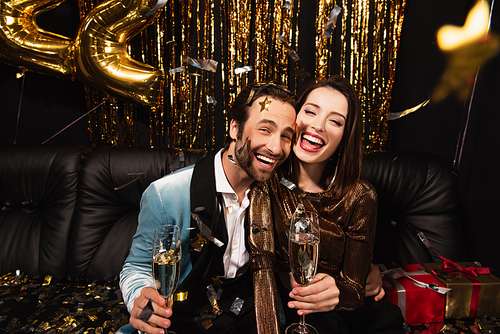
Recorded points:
324,174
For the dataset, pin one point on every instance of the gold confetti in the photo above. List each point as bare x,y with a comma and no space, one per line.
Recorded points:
93,317
301,73
396,115
47,280
180,296
199,242
207,323
217,281
22,73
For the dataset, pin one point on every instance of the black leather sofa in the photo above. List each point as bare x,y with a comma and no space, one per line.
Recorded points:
69,213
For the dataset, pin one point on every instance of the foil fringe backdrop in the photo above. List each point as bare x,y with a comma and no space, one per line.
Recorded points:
324,45
245,33
371,32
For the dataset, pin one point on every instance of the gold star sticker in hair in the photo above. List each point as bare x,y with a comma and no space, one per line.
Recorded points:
264,105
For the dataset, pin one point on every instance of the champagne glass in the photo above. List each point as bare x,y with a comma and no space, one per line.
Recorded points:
303,251
166,261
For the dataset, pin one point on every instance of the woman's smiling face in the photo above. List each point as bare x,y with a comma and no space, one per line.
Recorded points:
320,125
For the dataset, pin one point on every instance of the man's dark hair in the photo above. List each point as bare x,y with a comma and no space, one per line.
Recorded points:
239,110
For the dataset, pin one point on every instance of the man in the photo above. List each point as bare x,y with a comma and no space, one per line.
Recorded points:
214,252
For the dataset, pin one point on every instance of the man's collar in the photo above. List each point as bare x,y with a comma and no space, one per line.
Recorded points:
221,183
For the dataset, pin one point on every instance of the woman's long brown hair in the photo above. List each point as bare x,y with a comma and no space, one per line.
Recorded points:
349,154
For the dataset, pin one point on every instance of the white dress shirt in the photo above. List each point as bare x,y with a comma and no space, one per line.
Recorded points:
236,255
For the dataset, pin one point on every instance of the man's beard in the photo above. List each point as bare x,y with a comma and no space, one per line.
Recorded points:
245,157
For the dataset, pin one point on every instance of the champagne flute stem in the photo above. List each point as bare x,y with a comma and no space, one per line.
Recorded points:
169,302
302,329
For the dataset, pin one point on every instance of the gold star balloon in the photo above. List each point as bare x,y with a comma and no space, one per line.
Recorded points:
466,49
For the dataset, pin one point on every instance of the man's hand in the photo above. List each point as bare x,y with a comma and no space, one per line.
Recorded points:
322,295
374,284
158,320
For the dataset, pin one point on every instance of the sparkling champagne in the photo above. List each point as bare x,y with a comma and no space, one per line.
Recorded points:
304,254
166,271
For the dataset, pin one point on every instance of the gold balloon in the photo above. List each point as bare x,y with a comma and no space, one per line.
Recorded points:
24,44
101,56
466,48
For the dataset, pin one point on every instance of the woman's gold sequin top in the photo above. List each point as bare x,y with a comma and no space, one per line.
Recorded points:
347,235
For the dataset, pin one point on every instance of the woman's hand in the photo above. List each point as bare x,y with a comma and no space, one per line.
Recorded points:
374,284
158,320
322,295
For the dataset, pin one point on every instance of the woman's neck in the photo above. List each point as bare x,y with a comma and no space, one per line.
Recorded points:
308,176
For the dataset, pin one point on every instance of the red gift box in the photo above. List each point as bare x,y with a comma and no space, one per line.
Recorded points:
419,305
